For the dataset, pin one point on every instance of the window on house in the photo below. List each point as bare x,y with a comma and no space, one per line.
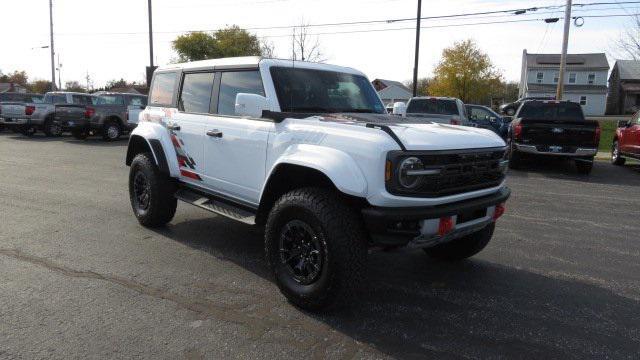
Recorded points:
572,78
556,76
540,77
583,100
592,79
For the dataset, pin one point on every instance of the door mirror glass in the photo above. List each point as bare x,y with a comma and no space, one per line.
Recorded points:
400,109
251,105
624,123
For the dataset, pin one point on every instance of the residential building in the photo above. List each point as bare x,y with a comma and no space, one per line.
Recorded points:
391,91
624,88
12,87
585,79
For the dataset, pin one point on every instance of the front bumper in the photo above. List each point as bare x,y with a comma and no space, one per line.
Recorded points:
556,151
418,226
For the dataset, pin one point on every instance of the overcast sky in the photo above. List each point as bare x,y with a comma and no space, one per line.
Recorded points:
109,40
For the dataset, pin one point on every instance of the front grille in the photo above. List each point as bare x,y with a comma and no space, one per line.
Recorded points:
460,171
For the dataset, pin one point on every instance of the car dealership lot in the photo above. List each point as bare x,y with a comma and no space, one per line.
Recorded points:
80,278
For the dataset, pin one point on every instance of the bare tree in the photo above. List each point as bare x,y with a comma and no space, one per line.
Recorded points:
628,45
268,49
306,47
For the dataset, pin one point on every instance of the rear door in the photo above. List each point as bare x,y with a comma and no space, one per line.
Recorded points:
235,147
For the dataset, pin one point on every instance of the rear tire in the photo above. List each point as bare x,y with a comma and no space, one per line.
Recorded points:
80,134
316,247
584,167
151,192
515,159
111,131
616,158
27,131
463,247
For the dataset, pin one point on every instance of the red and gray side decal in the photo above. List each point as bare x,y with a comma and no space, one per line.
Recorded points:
185,162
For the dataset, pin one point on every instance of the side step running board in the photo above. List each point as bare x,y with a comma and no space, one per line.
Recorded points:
211,203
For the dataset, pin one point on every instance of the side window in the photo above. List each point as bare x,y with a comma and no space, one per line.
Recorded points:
540,77
195,96
572,78
137,101
234,82
583,100
80,99
162,88
479,113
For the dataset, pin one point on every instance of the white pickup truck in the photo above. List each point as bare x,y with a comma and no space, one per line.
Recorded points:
307,151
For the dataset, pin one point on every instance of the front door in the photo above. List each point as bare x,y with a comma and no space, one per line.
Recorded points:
235,147
135,106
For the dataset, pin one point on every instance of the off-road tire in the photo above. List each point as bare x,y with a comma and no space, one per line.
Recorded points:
27,131
80,134
464,247
340,233
584,167
48,128
161,205
616,158
111,130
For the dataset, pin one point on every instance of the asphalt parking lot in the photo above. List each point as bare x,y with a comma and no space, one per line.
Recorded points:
79,278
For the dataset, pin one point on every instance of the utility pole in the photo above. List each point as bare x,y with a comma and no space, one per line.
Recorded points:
563,56
150,35
53,66
417,54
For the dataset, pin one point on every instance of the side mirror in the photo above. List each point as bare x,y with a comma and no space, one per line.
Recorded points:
624,123
251,105
400,109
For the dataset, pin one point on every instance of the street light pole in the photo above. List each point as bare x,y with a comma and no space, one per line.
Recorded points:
417,51
563,56
53,66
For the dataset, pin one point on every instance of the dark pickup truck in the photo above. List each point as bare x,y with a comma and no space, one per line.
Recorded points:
553,128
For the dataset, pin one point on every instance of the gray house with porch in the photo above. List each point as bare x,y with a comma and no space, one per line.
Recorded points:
624,88
585,79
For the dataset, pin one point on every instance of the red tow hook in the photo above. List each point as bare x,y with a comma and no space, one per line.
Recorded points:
445,226
499,211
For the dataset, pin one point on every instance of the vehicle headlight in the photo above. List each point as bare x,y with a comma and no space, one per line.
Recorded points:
407,176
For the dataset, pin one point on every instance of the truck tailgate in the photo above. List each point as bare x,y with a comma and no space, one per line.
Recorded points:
70,112
12,110
559,132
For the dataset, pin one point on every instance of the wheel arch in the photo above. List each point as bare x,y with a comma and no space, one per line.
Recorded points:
139,144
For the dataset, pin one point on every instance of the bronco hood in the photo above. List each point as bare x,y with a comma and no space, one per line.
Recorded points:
421,134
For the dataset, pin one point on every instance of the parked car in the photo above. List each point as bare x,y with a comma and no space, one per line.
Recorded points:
326,171
14,107
553,128
444,110
626,141
111,115
484,117
28,118
510,109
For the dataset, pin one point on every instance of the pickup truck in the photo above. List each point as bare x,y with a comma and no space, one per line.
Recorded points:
483,117
14,105
626,141
28,118
112,114
553,128
443,110
510,109
307,151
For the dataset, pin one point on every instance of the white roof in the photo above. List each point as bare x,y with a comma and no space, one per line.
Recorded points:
257,61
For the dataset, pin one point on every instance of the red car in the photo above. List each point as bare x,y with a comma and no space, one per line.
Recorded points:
626,142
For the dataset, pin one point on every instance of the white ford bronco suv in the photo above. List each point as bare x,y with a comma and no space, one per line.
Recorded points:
308,152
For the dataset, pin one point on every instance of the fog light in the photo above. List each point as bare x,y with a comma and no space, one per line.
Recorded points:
499,211
445,226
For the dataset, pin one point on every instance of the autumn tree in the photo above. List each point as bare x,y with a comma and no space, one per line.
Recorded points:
465,72
40,86
74,86
16,77
229,42
423,85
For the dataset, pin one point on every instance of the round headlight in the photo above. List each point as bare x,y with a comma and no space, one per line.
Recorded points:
405,178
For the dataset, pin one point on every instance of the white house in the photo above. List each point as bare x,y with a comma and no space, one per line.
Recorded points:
585,79
391,91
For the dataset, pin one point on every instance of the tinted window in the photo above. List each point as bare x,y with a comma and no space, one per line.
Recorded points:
551,111
111,100
138,101
82,99
478,113
316,91
162,88
196,92
234,82
432,106
55,98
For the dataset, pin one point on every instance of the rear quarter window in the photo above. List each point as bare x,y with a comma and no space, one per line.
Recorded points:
163,89
551,111
433,106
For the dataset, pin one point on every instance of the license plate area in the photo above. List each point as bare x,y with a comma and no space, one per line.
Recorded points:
471,215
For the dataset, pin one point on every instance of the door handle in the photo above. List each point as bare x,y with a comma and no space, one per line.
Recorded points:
173,127
214,133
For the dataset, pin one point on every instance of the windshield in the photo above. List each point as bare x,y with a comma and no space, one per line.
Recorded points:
55,98
551,111
432,106
318,91
110,100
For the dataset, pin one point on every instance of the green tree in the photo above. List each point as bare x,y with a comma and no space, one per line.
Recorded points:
423,85
74,86
228,42
465,72
40,86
